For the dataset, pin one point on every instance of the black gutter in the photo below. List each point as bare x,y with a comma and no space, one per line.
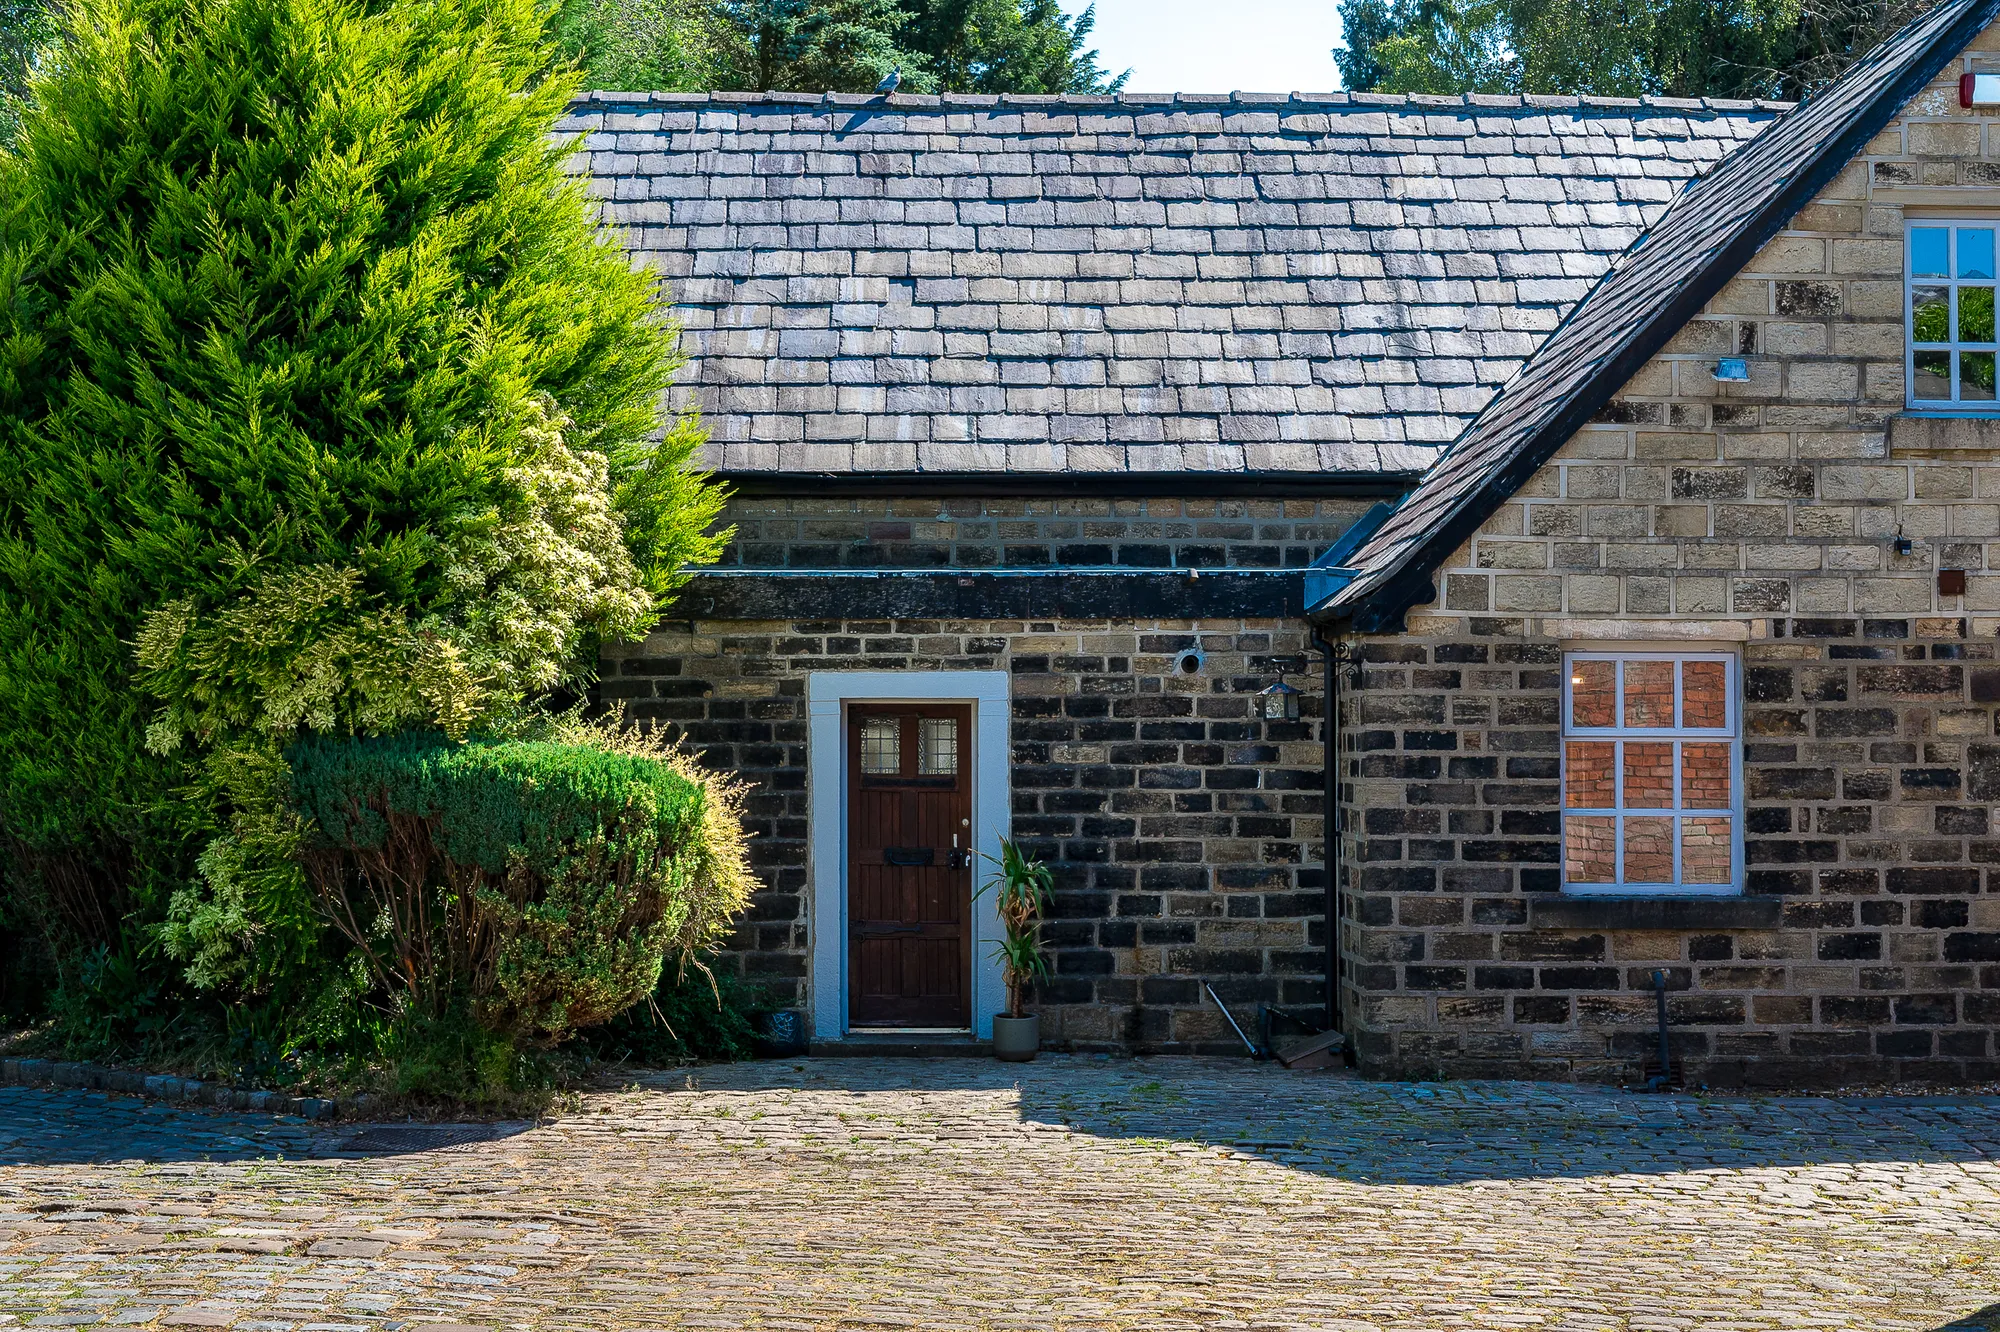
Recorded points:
1068,485
1330,821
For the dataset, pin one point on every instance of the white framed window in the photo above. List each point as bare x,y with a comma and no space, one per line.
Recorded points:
1948,301
1652,773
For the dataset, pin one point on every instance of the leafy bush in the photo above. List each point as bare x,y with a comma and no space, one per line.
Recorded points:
543,882
323,387
695,1014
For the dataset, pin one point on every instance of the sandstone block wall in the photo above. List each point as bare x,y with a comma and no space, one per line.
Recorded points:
1801,519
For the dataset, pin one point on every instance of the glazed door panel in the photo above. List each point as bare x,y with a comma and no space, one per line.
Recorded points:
909,865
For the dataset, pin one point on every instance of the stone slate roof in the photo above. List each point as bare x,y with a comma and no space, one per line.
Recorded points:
1714,229
1330,283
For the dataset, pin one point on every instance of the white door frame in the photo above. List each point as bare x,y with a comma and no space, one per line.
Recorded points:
827,695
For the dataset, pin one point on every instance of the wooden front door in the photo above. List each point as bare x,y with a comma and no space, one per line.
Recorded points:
909,865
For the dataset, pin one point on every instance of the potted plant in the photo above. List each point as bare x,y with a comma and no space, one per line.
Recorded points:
1020,886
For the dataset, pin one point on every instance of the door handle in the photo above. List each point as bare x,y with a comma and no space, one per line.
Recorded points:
882,931
908,856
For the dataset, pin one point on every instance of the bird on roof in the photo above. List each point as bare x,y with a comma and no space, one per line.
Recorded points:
890,81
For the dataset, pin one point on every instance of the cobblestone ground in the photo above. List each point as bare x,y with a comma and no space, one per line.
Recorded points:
1071,1194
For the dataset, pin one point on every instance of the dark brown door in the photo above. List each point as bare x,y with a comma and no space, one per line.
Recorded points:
909,865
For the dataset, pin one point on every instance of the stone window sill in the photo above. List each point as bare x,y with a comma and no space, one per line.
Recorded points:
1559,912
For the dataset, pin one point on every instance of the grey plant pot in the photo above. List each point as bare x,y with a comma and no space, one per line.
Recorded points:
1017,1039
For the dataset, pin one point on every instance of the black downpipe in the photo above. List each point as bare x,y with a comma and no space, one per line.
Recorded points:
1330,821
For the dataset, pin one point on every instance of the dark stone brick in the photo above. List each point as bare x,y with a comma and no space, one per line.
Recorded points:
1819,915
1711,948
1503,978
1933,881
1434,978
1850,947
1768,684
1963,820
1579,978
1791,783
1841,723
1902,1044
1769,819
1926,1010
1872,785
1541,1009
1889,912
1914,682
1540,946
1969,947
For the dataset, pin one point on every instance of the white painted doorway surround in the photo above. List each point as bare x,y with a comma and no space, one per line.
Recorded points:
827,695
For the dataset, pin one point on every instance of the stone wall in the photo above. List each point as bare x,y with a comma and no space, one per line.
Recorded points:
1870,769
794,532
1184,832
1802,519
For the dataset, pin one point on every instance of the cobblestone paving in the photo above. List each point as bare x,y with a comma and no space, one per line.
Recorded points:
1067,1194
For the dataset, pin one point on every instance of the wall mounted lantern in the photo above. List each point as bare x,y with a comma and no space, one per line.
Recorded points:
1278,702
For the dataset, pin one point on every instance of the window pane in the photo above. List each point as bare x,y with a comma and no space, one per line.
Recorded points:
1593,688
1975,252
1975,376
1975,314
1587,775
1704,776
1927,252
1705,850
1649,693
1930,314
1649,774
1704,700
1649,850
1933,381
882,745
937,747
1590,851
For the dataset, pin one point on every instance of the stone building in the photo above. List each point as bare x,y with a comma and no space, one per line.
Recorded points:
1625,472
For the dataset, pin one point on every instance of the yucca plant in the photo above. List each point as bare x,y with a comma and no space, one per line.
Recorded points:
1020,885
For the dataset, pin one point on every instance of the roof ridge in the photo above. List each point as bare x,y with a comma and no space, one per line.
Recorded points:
1479,102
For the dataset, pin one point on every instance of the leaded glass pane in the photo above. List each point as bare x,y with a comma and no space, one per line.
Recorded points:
937,747
882,746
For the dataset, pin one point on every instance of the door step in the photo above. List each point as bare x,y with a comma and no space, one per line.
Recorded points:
903,1044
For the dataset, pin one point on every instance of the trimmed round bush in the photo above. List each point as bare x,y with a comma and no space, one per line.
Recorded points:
544,882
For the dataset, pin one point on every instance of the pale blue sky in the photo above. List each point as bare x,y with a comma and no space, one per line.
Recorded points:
1218,45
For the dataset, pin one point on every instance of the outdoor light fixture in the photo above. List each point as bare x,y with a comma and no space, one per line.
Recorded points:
1278,702
1733,370
1979,90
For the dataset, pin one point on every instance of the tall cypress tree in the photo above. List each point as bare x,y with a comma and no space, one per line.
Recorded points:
299,294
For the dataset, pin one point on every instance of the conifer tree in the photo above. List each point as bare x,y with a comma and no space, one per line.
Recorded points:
320,390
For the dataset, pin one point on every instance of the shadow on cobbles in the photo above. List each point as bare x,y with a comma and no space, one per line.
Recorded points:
41,1126
1979,1320
1432,1133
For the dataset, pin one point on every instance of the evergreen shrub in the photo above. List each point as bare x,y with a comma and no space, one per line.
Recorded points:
541,882
326,407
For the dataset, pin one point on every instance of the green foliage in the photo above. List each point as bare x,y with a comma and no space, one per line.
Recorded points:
1619,48
320,387
1020,886
985,46
29,39
694,1016
546,881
